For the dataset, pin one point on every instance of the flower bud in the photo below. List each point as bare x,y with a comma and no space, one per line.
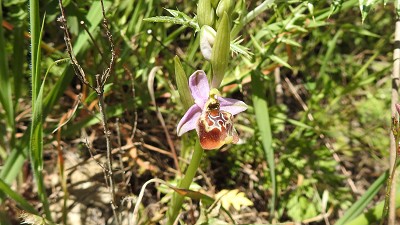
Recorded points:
207,39
220,51
205,13
225,6
182,84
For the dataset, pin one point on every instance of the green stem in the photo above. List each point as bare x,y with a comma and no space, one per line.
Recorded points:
177,200
388,196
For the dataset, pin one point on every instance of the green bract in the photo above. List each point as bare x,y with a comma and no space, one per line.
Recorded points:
182,83
220,52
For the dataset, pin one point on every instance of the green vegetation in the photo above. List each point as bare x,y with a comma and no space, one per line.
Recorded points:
314,141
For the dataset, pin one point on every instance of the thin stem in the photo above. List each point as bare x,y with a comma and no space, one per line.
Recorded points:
79,72
92,39
99,89
387,207
108,71
107,133
177,200
393,141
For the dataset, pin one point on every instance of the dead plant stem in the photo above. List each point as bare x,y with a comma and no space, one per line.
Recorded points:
393,144
99,89
107,133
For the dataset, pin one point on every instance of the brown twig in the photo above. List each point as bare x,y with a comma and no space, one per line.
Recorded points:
107,132
67,38
99,89
107,73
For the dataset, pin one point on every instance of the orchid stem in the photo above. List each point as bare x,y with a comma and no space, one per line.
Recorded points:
177,199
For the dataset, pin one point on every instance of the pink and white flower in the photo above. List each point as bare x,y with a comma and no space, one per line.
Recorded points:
211,115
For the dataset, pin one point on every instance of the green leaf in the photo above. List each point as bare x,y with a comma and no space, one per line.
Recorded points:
177,18
237,48
264,126
365,7
358,207
310,7
178,14
373,215
183,84
220,51
36,138
17,198
290,42
6,99
397,5
279,60
166,19
336,4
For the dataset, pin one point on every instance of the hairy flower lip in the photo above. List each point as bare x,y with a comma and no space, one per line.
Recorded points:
200,91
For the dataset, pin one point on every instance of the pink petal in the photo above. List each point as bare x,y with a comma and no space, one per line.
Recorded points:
231,105
189,120
199,87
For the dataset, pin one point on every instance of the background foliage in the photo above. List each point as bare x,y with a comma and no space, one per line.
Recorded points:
323,75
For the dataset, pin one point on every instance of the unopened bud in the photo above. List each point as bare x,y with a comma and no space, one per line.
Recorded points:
225,6
205,13
207,39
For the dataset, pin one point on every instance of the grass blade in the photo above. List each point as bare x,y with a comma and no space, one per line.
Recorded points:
17,198
18,62
264,126
359,206
373,215
6,84
36,140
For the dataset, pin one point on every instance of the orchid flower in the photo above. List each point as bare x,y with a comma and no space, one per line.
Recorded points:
211,114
